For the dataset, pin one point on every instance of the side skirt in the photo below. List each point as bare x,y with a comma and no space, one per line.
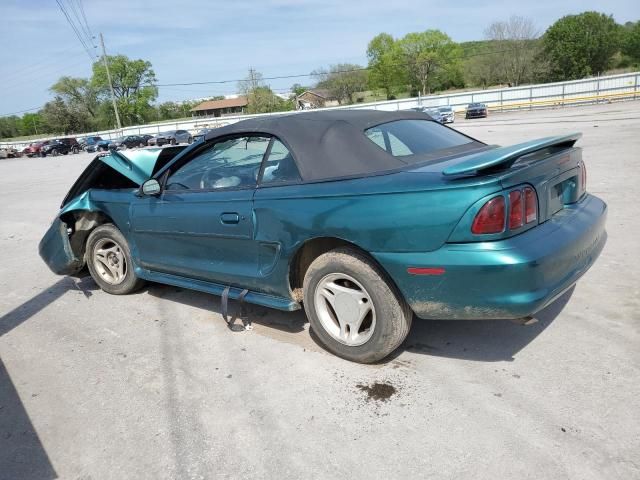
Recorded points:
270,301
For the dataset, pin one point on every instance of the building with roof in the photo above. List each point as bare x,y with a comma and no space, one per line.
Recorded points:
220,108
316,98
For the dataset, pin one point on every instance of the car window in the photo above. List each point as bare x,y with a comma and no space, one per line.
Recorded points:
280,166
413,137
232,163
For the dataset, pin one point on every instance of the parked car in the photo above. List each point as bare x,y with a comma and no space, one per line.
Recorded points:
9,152
476,110
366,217
201,134
435,113
33,150
89,144
145,138
60,146
129,141
172,137
447,115
103,144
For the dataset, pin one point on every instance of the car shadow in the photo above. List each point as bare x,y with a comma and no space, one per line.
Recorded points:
479,340
476,340
22,454
290,322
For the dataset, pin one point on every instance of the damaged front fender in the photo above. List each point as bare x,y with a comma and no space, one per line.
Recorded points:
55,250
62,247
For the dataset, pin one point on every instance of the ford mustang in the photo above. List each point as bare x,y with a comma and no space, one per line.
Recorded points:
365,218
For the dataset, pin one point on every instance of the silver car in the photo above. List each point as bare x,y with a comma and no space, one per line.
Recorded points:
447,115
172,137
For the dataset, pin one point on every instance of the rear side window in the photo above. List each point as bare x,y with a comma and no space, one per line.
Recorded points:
415,137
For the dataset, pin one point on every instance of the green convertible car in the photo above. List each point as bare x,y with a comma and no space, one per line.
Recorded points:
364,217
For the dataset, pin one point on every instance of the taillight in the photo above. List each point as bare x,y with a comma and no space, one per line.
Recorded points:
490,218
523,210
583,167
530,205
516,209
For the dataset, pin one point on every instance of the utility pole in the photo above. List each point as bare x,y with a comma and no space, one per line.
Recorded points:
113,95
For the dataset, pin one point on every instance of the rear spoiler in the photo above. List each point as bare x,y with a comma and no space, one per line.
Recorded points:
508,155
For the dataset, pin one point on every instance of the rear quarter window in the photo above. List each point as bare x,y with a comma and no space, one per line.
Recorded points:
402,138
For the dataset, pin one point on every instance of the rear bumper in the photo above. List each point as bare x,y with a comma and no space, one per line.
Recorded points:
510,278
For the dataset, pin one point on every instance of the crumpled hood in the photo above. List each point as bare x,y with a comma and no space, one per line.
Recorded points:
137,166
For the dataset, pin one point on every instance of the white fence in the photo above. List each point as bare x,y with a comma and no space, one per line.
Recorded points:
590,90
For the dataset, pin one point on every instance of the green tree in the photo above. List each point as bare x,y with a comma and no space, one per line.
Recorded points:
385,69
431,60
580,45
260,97
343,80
81,93
297,89
631,40
61,118
133,86
32,124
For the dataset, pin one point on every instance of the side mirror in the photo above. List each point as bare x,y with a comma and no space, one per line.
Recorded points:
151,187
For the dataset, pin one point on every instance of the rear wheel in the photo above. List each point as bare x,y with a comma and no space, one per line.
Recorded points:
109,261
353,309
173,141
75,150
54,152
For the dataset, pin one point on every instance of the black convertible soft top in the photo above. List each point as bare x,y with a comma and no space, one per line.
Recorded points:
329,144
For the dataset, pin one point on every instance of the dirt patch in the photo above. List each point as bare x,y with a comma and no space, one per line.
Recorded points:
378,391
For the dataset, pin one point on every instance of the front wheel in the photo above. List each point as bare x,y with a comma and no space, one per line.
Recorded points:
353,309
109,261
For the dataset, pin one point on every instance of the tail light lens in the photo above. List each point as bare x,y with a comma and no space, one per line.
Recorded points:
490,218
530,205
583,167
516,210
523,210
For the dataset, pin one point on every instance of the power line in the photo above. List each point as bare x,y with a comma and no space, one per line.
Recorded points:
311,74
84,17
83,29
84,45
20,111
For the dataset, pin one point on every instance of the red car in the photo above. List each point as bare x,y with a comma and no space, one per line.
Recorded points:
33,150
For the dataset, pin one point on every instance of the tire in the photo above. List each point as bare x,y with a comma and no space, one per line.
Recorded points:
75,150
106,251
173,141
190,141
383,329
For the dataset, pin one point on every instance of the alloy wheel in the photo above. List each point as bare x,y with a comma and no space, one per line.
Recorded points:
345,309
109,261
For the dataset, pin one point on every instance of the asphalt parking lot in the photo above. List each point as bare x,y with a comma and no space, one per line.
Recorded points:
154,385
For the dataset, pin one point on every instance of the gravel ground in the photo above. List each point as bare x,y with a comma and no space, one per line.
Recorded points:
153,385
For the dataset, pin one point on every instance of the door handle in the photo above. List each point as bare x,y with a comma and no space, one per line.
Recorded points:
230,218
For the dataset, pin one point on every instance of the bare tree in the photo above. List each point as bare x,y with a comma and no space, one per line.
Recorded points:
515,43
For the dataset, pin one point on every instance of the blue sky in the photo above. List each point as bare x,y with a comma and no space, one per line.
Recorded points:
189,40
